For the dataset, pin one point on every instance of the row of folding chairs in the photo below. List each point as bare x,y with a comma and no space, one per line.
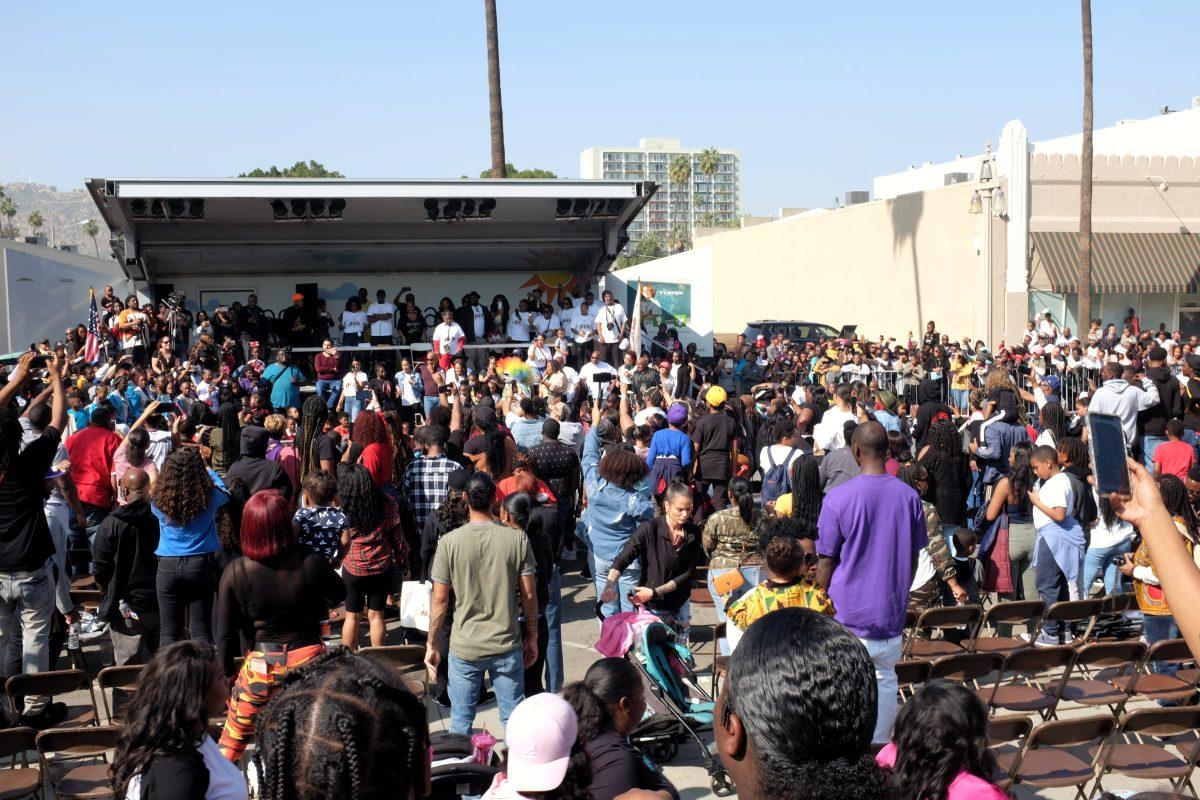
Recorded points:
116,685
58,772
1156,744
977,629
1045,680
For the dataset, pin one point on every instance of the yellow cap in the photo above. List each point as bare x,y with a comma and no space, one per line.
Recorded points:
716,396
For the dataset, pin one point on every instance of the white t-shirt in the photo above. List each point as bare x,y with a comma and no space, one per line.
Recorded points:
477,312
547,327
781,453
518,326
583,326
384,327
449,338
587,375
613,316
348,383
406,386
538,356
1054,493
829,432
354,321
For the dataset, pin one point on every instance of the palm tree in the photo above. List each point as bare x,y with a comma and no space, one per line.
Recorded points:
35,221
92,230
680,172
495,107
710,162
8,209
679,239
1085,179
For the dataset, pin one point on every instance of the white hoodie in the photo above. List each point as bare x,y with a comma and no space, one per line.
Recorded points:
1118,397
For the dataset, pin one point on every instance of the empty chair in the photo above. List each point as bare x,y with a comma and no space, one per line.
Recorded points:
122,682
18,779
75,744
1046,761
966,667
1006,736
1008,613
407,659
911,674
1073,614
56,682
945,619
1026,682
1086,687
1133,757
1151,685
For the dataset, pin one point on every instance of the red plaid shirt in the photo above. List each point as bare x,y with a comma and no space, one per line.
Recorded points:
373,552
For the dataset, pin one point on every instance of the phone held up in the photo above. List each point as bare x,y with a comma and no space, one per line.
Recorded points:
1106,445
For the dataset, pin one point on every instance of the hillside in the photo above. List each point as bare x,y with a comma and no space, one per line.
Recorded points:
59,209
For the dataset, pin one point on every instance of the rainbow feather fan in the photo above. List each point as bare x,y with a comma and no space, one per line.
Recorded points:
515,369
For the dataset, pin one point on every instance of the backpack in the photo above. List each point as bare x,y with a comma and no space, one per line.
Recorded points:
778,480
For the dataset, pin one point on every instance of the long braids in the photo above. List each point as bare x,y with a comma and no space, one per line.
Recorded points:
313,414
231,432
806,488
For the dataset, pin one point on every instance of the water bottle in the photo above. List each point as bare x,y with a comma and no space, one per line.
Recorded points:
73,636
130,616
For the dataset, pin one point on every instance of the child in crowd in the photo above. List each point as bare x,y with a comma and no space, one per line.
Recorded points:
966,567
1060,541
1174,456
319,524
343,426
789,552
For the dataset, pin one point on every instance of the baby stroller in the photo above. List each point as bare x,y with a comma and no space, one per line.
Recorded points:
667,665
453,775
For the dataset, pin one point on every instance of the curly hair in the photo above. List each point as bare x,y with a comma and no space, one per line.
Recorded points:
184,487
169,711
943,438
363,504
999,378
341,726
939,733
369,429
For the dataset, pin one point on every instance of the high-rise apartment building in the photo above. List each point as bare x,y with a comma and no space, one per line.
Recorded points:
697,202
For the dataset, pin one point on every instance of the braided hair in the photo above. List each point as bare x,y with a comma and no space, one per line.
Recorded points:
341,726
806,487
313,414
231,432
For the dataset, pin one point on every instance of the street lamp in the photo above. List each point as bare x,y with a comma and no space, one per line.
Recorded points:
63,228
988,200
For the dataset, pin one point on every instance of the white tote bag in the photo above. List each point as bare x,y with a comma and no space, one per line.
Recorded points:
415,597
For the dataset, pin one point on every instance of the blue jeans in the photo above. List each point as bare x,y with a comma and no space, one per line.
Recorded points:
466,679
429,404
625,584
329,391
1159,628
960,398
1149,445
1103,560
751,572
554,652
1052,587
356,403
26,605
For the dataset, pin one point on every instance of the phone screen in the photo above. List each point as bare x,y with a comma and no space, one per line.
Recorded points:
1106,442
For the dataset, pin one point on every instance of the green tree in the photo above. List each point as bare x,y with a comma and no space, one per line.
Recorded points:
512,172
495,106
680,172
710,162
92,230
680,239
313,169
36,223
8,209
1084,287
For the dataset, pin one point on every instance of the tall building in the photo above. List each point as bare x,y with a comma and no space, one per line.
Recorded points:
698,203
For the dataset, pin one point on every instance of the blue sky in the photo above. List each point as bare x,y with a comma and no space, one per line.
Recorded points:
818,97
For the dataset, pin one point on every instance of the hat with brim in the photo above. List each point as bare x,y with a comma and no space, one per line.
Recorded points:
539,737
887,400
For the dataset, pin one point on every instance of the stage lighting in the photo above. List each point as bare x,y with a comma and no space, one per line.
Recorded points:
176,208
562,208
316,207
196,209
156,209
486,207
299,207
279,208
451,209
336,207
431,209
468,208
614,207
138,208
580,208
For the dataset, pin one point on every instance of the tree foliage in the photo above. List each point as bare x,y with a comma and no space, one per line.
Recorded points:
92,230
36,222
8,210
312,169
512,172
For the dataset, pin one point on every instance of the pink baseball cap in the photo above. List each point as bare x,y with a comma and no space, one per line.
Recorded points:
539,737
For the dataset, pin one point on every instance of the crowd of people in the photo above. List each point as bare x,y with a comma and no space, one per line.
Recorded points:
232,512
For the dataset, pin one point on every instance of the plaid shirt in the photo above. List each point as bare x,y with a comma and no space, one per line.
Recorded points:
373,552
425,482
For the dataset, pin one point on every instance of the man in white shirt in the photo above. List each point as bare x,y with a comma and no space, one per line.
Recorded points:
519,323
547,323
582,331
381,315
448,340
1047,327
587,376
611,327
478,332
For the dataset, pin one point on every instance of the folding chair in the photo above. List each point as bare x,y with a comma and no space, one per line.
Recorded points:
23,780
911,674
1086,688
1071,613
72,744
944,619
1029,685
1006,737
407,659
1009,612
1134,758
1046,760
1153,686
118,679
702,598
967,668
55,682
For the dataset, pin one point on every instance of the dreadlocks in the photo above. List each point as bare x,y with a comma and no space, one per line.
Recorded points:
313,414
341,726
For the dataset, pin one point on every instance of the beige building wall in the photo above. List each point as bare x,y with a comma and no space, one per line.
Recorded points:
886,266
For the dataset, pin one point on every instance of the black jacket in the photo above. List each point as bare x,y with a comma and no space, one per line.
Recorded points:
465,317
1153,421
253,466
123,559
930,409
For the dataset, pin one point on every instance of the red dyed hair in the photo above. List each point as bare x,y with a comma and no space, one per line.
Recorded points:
369,428
267,526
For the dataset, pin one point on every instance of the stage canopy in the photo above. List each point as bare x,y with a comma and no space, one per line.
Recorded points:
166,229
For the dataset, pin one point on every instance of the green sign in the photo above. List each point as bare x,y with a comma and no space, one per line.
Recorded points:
662,303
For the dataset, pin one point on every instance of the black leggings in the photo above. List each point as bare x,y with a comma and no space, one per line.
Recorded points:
533,673
186,583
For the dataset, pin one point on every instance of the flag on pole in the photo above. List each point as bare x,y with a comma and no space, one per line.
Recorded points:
635,323
91,352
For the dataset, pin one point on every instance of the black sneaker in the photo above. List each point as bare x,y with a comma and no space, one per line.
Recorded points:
585,571
48,717
443,700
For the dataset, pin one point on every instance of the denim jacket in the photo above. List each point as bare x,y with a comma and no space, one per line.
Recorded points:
612,513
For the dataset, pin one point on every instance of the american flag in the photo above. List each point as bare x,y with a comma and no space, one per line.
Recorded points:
91,352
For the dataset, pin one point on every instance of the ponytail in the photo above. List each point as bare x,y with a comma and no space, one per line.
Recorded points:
743,497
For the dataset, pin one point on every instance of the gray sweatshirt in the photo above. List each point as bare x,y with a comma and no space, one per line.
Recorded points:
1121,399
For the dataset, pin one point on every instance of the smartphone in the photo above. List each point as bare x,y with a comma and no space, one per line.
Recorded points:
1106,445
37,362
